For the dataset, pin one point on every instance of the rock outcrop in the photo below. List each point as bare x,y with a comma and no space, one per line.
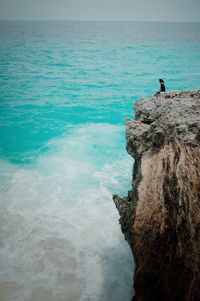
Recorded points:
160,217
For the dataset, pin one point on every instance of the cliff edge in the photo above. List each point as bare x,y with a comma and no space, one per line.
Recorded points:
160,217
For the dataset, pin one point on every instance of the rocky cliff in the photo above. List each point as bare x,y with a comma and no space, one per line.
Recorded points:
160,217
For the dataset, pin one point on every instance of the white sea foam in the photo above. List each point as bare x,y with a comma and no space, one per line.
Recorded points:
60,238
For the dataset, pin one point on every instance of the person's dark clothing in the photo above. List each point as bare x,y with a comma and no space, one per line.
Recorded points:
162,87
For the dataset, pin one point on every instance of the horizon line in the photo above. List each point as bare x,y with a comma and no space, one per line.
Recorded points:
90,20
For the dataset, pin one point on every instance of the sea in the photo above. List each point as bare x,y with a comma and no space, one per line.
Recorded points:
66,89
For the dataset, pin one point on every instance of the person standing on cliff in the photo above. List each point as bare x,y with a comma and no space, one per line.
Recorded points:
162,87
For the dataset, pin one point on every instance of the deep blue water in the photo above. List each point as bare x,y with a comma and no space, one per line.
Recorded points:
65,90
54,75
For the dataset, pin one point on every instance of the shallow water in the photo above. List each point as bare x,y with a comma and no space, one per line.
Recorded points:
66,89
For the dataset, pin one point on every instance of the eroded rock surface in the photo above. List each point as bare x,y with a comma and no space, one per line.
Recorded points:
160,217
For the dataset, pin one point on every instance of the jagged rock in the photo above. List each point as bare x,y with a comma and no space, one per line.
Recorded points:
160,218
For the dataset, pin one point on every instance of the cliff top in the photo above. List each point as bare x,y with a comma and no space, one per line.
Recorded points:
162,119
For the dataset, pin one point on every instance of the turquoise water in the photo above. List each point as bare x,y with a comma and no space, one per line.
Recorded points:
65,90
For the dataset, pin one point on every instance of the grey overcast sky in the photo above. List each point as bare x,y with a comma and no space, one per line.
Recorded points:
126,10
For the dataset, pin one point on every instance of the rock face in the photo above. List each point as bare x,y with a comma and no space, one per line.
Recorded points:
160,217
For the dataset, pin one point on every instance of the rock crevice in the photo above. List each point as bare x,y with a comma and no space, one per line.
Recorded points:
160,217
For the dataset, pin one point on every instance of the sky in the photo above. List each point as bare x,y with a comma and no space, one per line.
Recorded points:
113,10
